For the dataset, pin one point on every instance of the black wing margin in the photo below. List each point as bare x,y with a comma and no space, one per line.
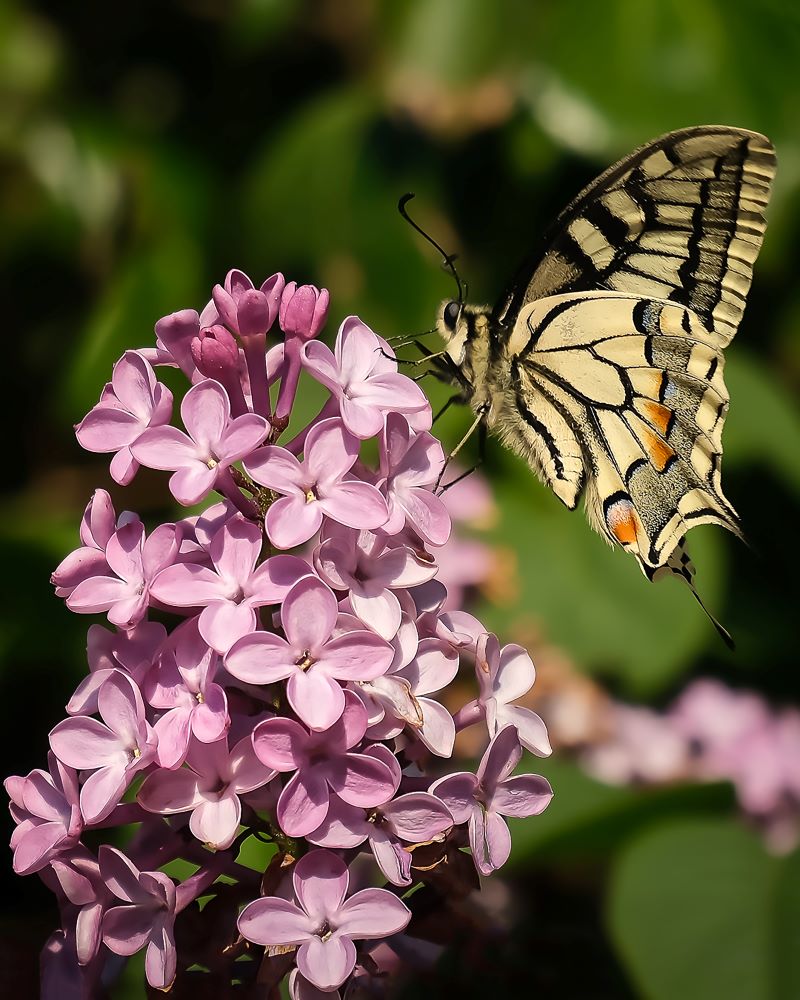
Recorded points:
681,218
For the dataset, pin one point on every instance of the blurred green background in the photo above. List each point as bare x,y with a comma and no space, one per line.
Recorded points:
146,148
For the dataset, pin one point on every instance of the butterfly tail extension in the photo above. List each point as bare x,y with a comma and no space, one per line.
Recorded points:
680,564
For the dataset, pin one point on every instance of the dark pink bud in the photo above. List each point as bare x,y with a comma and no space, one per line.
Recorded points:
244,309
215,352
304,310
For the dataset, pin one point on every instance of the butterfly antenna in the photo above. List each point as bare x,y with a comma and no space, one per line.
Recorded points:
449,259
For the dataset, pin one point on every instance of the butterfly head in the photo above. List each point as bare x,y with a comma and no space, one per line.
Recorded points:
452,325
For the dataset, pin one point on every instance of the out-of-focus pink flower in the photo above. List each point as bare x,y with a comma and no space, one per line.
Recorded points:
136,560
231,591
315,487
482,800
130,403
308,657
146,917
323,922
642,747
202,457
415,818
210,788
361,563
323,765
46,808
363,380
114,750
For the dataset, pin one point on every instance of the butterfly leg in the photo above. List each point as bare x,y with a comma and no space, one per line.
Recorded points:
455,398
478,423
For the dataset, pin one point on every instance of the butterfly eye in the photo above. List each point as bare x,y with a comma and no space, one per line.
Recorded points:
451,313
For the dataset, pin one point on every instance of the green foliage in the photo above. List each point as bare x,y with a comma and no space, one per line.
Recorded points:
698,909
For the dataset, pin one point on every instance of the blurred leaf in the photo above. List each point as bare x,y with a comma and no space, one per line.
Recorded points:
668,64
698,910
764,422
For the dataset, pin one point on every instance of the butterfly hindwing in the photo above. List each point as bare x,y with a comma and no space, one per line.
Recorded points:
639,384
682,219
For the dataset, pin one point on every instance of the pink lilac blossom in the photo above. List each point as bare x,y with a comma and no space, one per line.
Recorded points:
484,799
130,404
324,921
316,487
291,698
310,659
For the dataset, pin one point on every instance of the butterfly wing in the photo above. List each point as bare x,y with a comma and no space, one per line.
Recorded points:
681,218
639,383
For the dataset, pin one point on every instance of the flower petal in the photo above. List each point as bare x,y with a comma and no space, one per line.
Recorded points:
326,964
320,882
521,796
308,615
275,921
303,803
373,913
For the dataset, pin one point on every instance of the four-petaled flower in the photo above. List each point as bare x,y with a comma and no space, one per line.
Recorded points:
482,799
323,923
182,686
322,765
361,563
231,591
45,807
202,458
147,916
114,750
363,378
135,559
132,402
410,464
210,788
308,657
505,675
416,818
316,486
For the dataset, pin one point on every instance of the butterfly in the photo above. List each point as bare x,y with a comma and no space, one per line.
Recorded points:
602,363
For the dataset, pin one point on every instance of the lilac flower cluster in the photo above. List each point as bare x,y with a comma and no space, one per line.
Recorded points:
709,733
289,697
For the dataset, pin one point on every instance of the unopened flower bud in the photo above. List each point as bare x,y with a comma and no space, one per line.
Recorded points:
215,351
304,310
244,309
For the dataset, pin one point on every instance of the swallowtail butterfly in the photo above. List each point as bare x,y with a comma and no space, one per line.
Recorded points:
602,364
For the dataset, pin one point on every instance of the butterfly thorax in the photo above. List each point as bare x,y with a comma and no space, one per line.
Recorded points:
476,350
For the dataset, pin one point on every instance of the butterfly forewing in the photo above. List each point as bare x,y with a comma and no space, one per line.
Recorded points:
681,219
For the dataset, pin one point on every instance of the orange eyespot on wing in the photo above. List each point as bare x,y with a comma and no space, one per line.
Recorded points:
622,520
